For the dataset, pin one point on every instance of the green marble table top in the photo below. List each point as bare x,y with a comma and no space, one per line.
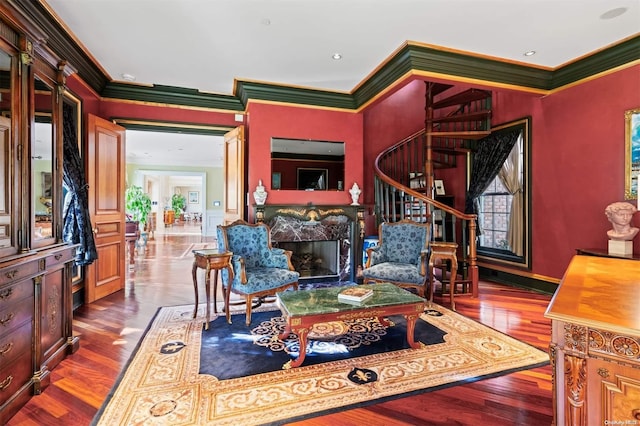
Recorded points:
210,252
325,300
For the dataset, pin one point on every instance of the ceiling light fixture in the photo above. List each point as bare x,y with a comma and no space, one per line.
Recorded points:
337,56
128,77
529,53
265,21
613,13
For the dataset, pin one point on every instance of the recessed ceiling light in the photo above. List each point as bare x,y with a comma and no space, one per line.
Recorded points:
265,21
529,53
337,56
613,13
128,77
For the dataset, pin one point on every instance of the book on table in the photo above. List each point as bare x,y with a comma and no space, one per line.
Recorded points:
355,294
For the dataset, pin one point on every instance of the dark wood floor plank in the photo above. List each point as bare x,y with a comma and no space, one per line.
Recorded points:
109,330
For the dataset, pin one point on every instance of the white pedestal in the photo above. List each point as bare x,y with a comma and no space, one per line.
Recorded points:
620,247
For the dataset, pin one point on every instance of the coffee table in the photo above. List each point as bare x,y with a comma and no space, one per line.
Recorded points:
302,309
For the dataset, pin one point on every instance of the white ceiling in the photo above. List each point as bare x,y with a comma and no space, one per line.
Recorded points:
206,44
176,149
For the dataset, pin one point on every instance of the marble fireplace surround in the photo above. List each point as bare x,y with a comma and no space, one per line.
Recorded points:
303,223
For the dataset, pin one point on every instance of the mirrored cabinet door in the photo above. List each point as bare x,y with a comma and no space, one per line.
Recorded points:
8,242
42,167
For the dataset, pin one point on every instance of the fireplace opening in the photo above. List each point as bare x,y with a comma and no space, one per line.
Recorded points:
314,259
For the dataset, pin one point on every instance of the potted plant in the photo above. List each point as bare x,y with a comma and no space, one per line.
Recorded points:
137,204
178,204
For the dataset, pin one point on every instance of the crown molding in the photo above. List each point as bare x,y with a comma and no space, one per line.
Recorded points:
170,95
251,90
410,59
171,127
623,53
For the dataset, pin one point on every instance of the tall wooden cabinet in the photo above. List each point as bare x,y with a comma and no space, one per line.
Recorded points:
595,344
36,265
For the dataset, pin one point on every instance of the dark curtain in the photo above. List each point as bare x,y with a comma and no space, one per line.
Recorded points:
490,155
77,223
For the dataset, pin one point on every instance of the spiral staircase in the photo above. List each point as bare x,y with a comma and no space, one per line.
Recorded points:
404,175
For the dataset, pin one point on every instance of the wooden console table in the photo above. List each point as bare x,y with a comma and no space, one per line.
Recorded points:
605,253
595,343
210,259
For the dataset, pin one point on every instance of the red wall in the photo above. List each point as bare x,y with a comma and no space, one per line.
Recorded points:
266,121
577,157
578,154
577,151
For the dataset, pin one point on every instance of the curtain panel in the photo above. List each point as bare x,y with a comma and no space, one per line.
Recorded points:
77,227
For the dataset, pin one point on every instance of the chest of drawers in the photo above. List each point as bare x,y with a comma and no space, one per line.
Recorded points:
35,323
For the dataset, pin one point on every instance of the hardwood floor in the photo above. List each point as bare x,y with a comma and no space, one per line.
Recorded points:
109,330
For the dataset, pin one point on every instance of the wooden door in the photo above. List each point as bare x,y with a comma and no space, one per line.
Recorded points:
105,165
234,185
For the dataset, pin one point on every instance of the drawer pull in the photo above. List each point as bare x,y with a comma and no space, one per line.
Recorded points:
6,348
5,383
603,372
6,320
11,274
5,294
58,256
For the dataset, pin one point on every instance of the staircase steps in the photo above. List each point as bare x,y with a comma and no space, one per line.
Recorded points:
470,116
463,134
464,97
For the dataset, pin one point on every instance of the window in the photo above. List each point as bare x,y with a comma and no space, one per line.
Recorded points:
504,216
495,208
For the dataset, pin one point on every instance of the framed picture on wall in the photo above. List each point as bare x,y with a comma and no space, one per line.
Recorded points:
194,197
631,153
276,181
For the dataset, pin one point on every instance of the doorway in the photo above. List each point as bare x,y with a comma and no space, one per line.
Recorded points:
172,161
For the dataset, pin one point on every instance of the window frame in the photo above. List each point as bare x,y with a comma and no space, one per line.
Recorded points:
502,256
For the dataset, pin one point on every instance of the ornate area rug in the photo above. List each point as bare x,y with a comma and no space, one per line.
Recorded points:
234,374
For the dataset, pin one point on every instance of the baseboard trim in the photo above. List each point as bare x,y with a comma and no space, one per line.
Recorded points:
519,281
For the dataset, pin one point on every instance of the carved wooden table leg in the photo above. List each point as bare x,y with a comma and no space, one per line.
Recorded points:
302,335
411,326
194,269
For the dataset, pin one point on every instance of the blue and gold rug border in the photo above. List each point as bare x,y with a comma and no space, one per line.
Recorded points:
161,384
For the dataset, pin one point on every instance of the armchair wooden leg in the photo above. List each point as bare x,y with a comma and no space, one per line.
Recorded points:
249,308
431,284
227,294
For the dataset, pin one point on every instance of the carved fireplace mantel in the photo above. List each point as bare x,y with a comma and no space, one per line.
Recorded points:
309,223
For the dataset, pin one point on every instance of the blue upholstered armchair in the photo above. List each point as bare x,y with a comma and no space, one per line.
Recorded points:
259,270
401,257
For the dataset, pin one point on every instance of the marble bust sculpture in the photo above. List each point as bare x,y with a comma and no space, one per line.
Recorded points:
355,194
620,215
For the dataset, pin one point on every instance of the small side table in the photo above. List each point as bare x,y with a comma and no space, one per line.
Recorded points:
444,251
209,259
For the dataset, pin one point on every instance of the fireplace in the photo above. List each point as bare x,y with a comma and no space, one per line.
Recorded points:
314,259
326,241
